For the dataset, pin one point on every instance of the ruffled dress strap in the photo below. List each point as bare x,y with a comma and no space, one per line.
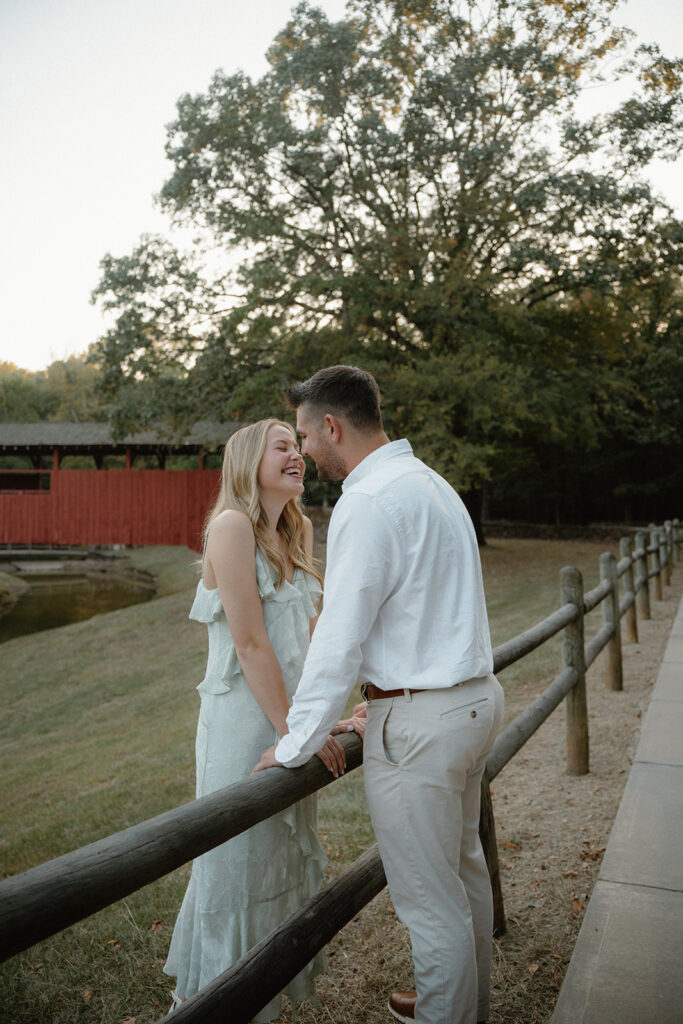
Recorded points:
304,586
207,605
311,593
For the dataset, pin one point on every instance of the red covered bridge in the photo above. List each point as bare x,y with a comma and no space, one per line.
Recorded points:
47,503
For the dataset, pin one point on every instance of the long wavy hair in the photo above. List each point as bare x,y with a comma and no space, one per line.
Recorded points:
240,490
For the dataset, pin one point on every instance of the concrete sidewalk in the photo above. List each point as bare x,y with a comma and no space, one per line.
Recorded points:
627,967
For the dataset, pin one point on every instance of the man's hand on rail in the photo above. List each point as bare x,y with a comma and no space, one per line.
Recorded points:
331,754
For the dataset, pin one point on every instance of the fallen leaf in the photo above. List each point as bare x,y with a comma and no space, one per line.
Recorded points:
87,995
578,905
569,874
157,926
533,968
129,1020
114,943
592,854
508,846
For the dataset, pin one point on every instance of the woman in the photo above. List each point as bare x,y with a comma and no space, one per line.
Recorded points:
258,595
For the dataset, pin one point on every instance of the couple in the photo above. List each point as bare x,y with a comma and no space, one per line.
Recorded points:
405,616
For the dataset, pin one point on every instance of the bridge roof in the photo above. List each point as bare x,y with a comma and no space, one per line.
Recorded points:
87,438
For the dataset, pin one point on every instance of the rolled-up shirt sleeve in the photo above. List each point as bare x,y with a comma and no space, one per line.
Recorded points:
363,566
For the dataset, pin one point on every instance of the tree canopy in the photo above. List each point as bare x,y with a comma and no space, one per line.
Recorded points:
66,391
411,189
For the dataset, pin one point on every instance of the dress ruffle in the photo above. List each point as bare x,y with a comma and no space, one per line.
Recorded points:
207,606
310,593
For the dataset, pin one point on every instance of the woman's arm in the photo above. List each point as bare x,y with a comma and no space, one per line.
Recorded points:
229,565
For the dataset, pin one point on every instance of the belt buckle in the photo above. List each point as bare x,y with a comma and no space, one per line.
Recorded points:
364,692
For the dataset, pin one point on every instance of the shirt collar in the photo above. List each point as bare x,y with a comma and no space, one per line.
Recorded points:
374,459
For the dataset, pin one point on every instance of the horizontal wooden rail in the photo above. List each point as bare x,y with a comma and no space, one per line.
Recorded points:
515,735
597,643
593,598
512,650
240,992
623,565
52,896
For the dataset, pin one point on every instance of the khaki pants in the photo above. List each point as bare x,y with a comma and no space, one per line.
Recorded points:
424,757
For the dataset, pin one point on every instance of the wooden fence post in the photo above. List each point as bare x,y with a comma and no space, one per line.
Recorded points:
573,657
676,531
626,551
671,557
656,564
614,676
664,556
487,834
642,581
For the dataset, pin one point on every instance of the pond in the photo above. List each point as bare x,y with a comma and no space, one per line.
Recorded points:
53,600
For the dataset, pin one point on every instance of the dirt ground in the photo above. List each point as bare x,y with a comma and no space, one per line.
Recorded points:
552,830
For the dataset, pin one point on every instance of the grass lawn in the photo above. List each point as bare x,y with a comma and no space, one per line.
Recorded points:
98,733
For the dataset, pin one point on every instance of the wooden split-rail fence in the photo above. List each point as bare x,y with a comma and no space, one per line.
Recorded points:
44,900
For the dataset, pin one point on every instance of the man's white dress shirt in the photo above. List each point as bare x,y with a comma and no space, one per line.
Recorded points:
403,599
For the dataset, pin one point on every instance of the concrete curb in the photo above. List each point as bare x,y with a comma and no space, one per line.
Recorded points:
626,966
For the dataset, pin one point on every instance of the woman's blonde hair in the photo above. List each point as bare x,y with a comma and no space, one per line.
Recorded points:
239,490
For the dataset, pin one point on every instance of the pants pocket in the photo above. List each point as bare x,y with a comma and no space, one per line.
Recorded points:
394,739
470,710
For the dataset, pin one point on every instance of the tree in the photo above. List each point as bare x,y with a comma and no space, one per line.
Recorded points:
408,188
65,391
23,398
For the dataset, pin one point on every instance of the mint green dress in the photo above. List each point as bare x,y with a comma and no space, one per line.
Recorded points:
243,889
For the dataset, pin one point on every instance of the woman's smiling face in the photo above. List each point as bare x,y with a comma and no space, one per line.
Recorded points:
281,468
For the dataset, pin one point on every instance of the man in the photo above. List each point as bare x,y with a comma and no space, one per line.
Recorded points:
404,614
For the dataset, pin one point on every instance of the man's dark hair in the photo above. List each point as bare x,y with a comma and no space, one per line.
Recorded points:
345,390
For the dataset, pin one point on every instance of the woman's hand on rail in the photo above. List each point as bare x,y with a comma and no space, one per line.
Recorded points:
267,761
356,723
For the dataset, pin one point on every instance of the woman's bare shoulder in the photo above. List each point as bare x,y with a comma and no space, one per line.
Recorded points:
231,524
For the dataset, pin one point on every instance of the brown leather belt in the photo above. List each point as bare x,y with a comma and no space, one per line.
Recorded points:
371,692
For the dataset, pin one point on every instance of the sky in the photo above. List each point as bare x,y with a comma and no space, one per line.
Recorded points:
86,90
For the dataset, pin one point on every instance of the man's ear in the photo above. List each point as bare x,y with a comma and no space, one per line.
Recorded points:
332,428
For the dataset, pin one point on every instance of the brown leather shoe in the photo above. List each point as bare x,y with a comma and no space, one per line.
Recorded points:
402,1006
